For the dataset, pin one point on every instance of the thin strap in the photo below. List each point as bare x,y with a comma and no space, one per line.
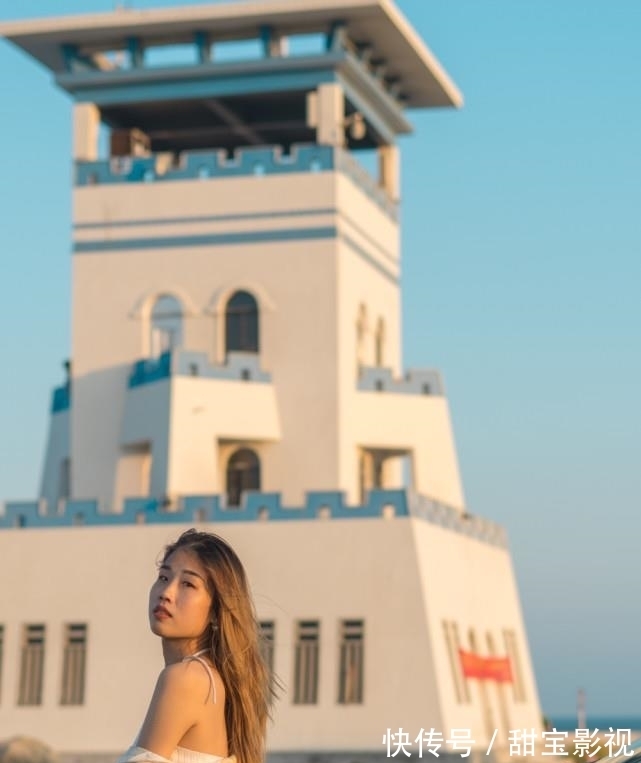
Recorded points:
137,754
203,662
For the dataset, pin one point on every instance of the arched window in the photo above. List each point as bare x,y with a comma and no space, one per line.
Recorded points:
243,473
241,323
379,349
166,325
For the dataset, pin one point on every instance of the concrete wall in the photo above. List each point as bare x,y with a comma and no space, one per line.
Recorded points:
419,424
292,279
402,576
205,415
336,266
472,584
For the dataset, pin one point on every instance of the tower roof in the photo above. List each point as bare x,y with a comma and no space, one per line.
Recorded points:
375,23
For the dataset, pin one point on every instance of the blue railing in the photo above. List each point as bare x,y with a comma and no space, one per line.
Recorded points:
150,370
61,399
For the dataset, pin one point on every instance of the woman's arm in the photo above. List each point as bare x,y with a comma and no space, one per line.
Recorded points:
174,708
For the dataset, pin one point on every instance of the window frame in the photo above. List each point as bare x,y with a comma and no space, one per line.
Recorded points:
351,657
74,664
306,662
32,662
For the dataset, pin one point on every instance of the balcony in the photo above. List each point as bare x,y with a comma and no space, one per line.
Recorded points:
246,162
235,400
240,366
415,381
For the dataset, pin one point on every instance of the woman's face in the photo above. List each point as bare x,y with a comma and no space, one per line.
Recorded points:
181,589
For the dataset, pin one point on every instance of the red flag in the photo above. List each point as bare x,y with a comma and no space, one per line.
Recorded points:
486,668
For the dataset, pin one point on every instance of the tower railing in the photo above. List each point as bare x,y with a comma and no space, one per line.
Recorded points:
248,162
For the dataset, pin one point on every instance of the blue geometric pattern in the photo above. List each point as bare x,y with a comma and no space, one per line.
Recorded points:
256,507
246,162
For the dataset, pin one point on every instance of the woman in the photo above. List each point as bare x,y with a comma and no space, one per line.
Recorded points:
212,699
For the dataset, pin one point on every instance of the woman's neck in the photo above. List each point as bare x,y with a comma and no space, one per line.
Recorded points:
175,651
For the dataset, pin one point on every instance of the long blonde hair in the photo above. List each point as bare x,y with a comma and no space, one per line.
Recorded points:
235,639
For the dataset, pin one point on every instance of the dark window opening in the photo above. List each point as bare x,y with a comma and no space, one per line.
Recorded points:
243,473
241,323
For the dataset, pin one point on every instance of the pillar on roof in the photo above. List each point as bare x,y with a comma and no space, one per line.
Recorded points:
86,127
274,43
389,163
326,112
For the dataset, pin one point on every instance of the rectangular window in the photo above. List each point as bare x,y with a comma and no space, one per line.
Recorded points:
467,697
32,665
306,662
350,677
267,632
73,664
453,643
455,667
64,488
511,648
1,657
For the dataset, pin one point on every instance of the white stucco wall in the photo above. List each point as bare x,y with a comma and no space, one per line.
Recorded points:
294,282
402,576
310,295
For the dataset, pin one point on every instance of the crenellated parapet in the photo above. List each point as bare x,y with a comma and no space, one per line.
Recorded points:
350,166
191,165
240,366
415,381
256,506
245,162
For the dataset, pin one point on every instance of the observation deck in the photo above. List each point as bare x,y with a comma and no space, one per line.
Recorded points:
241,73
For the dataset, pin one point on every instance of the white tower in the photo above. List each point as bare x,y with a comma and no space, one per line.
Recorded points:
236,271
236,353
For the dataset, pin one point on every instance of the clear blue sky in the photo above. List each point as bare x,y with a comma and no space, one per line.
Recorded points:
522,266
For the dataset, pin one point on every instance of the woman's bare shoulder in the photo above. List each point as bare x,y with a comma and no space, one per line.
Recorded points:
193,678
176,706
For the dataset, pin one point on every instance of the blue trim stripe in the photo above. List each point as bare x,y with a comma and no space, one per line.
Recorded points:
205,219
391,258
202,165
392,277
143,223
255,506
219,239
211,507
231,239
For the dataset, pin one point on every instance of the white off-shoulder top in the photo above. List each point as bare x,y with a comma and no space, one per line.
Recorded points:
137,754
